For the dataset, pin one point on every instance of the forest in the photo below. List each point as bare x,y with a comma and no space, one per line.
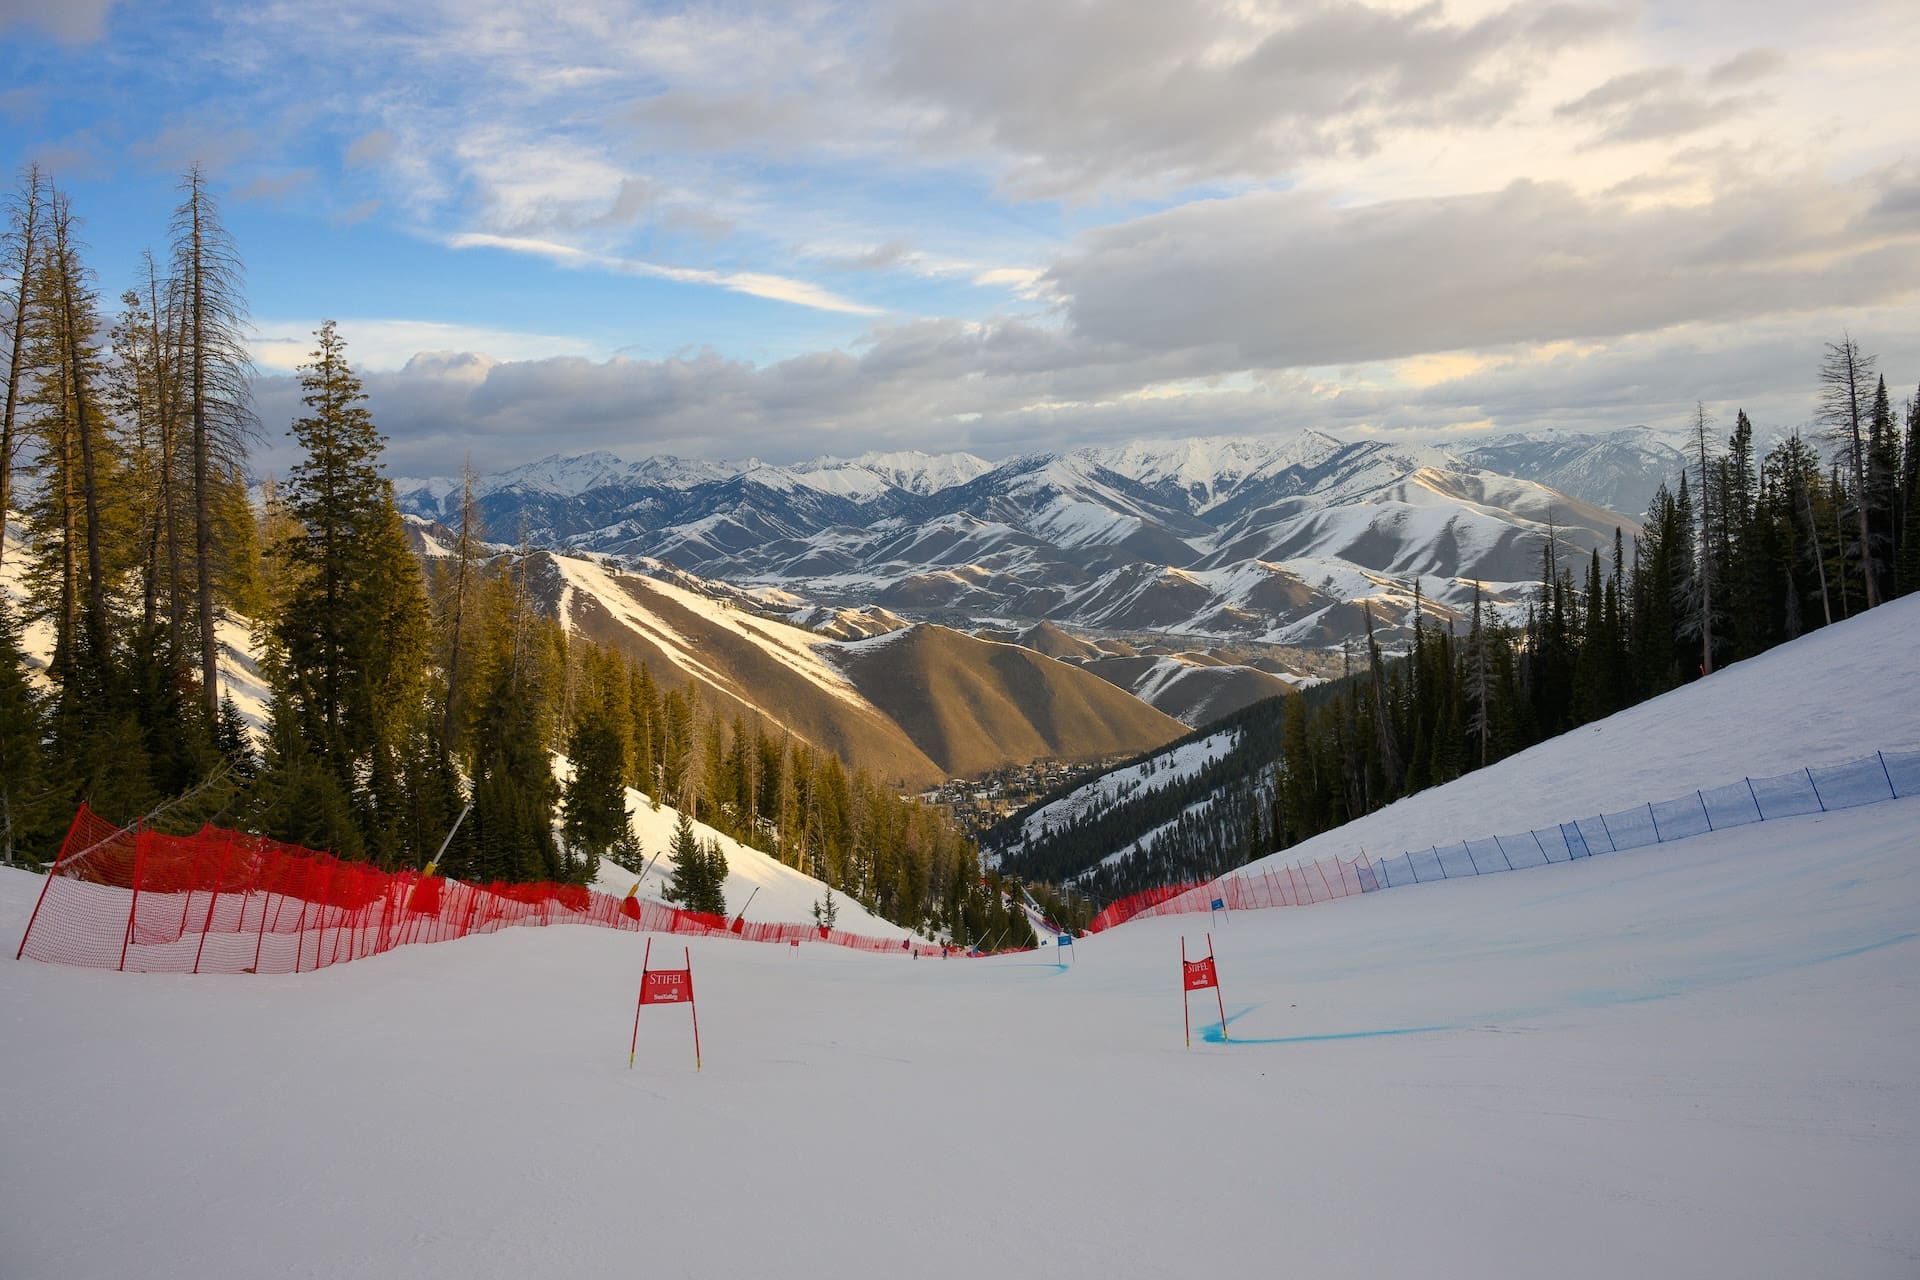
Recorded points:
403,690
1741,553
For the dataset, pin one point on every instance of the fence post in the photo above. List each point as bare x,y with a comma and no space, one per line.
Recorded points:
1816,789
1654,818
1607,828
1697,795
261,941
1892,791
1501,845
1543,848
207,924
139,857
1442,864
47,882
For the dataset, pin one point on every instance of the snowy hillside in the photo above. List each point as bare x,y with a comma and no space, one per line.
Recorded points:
759,885
1689,1060
1829,697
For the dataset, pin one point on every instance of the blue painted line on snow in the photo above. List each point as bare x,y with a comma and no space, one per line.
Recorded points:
1212,1035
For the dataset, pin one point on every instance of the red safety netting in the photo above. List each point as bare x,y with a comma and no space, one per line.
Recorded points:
223,901
1320,881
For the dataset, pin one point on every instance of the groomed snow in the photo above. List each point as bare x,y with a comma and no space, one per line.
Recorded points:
1688,1060
1827,698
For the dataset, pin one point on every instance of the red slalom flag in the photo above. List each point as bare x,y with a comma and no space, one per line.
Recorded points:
1201,974
1198,975
665,986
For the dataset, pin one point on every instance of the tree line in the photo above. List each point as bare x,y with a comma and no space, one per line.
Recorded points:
1741,553
400,694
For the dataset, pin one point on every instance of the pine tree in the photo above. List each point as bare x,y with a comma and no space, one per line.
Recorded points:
336,494
690,869
26,797
594,799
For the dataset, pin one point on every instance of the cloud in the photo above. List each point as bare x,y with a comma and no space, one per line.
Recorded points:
1086,96
756,284
1747,67
275,187
355,214
1011,387
371,148
1284,280
384,344
1658,102
213,145
68,21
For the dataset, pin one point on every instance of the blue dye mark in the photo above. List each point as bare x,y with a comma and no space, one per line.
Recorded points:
1212,1035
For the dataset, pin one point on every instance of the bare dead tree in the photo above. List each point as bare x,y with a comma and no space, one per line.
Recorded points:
215,383
19,246
1846,386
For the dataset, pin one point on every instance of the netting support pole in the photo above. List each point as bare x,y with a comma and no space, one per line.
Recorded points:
1543,848
1755,797
1441,864
48,882
261,941
1501,845
1608,828
1655,820
1703,809
139,856
1893,792
1816,790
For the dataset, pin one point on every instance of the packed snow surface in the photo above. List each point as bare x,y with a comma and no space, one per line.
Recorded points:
1829,697
1694,1059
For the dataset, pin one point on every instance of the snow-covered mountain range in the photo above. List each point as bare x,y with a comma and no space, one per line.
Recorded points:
1265,540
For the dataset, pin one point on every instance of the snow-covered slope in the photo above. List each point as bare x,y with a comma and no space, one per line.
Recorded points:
1839,693
1688,1060
759,885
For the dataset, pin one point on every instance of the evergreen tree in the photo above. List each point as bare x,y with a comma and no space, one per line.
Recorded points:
27,809
690,884
594,799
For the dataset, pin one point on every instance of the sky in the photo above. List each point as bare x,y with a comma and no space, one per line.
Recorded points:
797,228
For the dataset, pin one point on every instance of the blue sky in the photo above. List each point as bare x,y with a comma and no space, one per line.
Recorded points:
788,229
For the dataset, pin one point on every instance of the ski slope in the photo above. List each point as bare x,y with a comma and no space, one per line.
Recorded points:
1695,1059
1835,695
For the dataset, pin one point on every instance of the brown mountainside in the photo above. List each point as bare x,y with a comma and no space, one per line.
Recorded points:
912,707
972,705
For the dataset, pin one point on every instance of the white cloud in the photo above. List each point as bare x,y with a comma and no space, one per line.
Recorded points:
757,284
69,21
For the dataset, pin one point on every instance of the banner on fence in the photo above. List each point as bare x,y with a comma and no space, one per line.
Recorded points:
1198,975
665,986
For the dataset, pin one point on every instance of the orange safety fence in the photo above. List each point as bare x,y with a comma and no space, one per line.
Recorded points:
221,901
1299,886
